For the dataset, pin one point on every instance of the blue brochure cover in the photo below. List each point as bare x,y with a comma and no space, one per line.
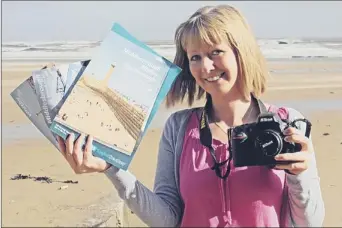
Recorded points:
116,97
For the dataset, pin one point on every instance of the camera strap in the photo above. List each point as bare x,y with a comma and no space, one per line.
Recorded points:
206,140
307,123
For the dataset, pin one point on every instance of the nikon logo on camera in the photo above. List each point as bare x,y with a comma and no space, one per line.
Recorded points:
267,144
266,119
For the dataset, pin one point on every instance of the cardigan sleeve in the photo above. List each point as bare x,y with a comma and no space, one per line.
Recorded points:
304,191
163,206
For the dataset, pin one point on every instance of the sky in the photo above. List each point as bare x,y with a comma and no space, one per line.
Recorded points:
150,21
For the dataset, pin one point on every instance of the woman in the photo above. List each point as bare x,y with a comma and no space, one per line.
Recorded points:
220,58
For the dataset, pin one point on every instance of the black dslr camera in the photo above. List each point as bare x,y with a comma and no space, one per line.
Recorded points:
256,144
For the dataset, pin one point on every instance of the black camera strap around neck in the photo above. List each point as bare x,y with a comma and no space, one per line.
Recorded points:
206,136
206,140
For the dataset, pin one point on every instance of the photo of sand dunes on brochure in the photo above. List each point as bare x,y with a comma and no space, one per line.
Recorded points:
111,118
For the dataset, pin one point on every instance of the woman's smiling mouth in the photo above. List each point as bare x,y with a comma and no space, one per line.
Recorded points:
215,78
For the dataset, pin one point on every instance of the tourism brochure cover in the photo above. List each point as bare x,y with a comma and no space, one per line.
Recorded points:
116,97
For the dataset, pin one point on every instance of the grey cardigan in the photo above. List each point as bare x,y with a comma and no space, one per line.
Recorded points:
163,207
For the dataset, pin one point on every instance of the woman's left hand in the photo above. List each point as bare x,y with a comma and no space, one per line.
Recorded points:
297,162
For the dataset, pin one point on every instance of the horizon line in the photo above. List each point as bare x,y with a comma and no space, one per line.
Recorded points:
169,40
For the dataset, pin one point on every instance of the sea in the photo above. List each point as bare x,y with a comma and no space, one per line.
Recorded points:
68,51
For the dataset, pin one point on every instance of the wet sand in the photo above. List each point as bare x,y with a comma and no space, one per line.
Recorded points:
36,203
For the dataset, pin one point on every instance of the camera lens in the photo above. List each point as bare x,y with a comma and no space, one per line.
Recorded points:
269,142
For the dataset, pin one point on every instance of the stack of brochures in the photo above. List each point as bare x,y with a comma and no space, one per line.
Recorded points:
113,97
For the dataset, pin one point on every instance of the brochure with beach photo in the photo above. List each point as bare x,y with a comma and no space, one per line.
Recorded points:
53,85
116,97
25,96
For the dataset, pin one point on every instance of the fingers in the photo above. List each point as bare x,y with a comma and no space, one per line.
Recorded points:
90,162
292,130
292,157
296,136
294,168
88,150
69,144
78,152
301,139
295,163
61,145
80,157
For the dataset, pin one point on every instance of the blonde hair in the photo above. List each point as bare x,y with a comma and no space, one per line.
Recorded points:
213,25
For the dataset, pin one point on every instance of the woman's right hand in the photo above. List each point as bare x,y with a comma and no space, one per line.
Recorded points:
81,159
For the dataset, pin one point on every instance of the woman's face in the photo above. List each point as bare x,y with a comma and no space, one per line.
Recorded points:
214,68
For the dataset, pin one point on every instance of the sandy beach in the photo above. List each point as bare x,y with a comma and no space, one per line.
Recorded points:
313,88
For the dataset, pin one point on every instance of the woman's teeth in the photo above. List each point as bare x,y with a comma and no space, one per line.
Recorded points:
212,79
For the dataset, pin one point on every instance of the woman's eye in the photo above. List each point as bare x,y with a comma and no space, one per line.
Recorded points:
195,58
217,52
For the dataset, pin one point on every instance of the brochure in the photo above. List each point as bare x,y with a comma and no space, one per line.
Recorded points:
116,97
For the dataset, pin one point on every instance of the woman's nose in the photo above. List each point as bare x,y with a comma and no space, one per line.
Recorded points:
207,65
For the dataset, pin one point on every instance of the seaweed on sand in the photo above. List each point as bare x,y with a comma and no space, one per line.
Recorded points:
41,179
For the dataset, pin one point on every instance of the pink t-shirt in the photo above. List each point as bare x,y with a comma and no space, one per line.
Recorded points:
249,197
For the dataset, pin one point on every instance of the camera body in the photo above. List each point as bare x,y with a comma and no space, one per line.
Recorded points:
256,144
